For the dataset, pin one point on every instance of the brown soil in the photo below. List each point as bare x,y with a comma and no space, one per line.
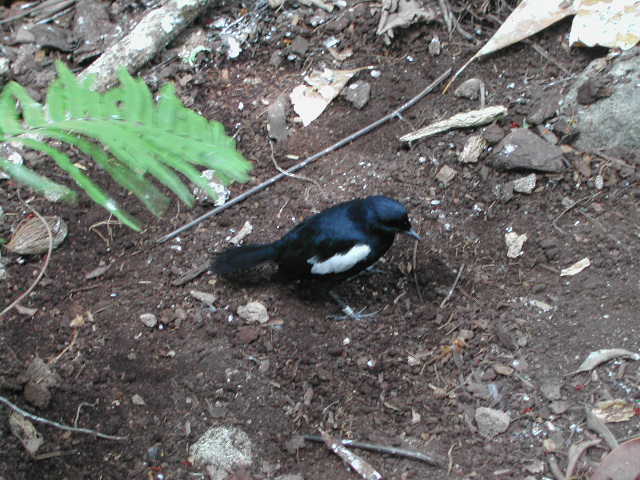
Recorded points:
206,367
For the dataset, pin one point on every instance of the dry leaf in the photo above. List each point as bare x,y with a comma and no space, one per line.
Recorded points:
31,237
600,356
310,101
607,23
30,312
623,463
576,268
25,431
97,272
610,411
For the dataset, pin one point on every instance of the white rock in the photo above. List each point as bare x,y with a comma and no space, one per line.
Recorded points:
525,184
514,244
492,422
149,320
137,400
445,174
205,297
253,312
224,447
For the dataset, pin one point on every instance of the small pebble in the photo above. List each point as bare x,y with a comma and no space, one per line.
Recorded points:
149,320
253,312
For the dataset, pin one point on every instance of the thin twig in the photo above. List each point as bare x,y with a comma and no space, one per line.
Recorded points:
83,404
35,418
74,337
38,8
44,267
449,454
446,15
415,275
555,468
453,287
575,451
292,175
431,459
547,56
308,160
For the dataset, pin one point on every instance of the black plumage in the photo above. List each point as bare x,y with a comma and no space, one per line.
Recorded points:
334,244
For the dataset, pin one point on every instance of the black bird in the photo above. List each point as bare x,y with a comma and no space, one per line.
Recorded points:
333,245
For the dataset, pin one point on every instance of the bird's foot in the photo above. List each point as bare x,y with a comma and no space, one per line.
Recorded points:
350,314
373,269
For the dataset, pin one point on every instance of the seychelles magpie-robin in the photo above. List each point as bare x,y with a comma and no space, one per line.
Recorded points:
332,245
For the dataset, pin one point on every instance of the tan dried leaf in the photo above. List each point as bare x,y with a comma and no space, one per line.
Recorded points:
31,237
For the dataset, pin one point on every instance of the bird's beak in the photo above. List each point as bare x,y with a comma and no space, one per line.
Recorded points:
412,233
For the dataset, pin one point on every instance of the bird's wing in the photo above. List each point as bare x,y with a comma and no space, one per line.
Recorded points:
322,252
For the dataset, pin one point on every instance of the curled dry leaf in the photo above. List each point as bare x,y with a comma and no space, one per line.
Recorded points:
576,268
514,244
25,431
600,356
617,410
473,118
31,237
310,101
622,463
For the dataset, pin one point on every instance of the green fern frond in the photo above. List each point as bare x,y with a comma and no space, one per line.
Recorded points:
135,139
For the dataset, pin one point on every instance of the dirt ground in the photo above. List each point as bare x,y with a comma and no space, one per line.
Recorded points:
412,376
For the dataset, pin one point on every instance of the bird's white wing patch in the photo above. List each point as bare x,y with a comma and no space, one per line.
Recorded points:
340,262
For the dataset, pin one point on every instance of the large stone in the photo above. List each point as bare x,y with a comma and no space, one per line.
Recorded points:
524,150
612,120
224,447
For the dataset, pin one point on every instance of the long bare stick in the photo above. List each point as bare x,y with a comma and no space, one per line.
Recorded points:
152,33
434,460
44,267
307,161
35,418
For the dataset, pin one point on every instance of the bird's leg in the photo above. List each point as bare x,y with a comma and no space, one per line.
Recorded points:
372,269
347,310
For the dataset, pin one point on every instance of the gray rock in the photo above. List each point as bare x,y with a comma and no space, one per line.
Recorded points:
547,107
610,121
559,406
47,35
522,149
469,89
300,46
551,389
38,379
276,58
492,422
253,312
4,70
503,191
358,93
149,319
493,134
277,118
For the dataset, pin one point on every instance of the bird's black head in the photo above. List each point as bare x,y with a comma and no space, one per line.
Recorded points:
390,215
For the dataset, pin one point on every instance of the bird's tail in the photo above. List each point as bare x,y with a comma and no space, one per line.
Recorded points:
242,258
